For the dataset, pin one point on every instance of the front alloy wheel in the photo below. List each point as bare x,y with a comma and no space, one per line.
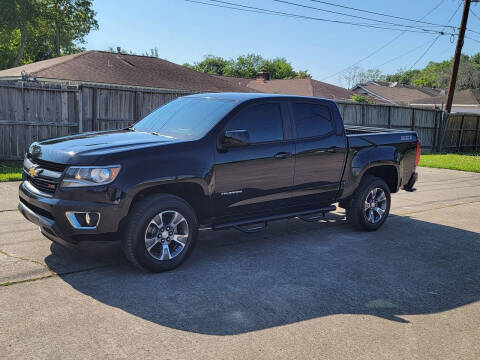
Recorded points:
160,232
166,235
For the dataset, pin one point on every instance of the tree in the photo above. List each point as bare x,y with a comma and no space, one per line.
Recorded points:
437,74
303,74
403,76
279,68
357,75
34,30
153,52
361,99
15,19
247,66
211,65
71,21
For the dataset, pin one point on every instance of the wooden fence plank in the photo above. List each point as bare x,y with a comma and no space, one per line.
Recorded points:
475,144
459,143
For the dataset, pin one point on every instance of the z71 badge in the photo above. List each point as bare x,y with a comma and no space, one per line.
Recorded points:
231,192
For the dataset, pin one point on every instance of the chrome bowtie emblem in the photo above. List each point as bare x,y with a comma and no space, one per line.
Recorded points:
34,171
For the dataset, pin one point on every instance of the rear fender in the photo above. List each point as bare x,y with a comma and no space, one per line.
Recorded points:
365,161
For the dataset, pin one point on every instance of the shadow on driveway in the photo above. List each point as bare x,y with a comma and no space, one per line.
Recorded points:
235,283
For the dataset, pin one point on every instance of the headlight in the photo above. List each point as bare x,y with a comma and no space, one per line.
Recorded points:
90,175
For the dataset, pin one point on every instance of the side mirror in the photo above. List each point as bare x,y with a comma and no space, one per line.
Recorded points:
235,138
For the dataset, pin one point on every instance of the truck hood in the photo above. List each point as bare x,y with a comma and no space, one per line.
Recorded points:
76,149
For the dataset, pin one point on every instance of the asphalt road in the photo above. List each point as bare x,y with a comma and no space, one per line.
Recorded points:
298,290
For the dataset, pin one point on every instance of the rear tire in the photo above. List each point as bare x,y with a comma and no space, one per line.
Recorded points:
370,204
160,233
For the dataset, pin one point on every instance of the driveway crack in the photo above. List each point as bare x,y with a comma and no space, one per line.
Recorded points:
27,259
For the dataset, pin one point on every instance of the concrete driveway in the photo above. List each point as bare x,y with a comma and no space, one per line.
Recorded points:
298,290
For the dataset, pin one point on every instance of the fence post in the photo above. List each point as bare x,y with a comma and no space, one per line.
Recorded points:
413,120
476,134
459,143
435,133
138,105
79,110
94,109
364,115
442,130
389,117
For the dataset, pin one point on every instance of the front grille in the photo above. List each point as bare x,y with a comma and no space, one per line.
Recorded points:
48,165
44,185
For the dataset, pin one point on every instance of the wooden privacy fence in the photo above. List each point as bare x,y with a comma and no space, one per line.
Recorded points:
34,111
462,133
426,122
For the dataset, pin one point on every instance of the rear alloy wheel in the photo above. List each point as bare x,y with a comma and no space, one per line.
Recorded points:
375,205
160,233
370,205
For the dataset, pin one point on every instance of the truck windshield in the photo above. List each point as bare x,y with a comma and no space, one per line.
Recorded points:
186,117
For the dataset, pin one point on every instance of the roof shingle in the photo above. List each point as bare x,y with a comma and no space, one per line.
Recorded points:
301,87
131,70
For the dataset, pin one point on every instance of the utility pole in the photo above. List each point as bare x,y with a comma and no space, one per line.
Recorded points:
456,59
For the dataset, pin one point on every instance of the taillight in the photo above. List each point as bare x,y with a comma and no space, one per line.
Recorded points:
419,150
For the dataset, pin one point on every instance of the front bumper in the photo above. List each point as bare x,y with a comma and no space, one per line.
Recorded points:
49,214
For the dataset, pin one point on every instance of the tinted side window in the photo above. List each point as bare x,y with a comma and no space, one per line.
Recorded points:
263,122
312,120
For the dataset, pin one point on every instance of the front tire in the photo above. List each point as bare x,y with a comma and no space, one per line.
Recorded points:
160,234
370,205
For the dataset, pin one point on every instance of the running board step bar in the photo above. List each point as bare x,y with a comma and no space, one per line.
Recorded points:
260,224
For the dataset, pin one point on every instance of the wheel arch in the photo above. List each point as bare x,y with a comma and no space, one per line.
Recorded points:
190,191
388,173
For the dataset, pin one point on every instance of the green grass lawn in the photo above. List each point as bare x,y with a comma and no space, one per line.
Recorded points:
10,170
464,162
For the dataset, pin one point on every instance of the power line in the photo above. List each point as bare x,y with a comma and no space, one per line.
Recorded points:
425,52
354,16
378,13
402,55
435,40
467,37
389,15
240,7
385,45
474,14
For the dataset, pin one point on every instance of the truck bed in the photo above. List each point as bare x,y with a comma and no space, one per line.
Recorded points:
378,136
364,130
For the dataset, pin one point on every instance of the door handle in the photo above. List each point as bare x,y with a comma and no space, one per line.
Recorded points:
282,155
333,149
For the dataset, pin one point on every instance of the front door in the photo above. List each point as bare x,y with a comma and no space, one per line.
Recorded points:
255,179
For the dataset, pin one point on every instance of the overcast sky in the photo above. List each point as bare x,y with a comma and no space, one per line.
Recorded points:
185,32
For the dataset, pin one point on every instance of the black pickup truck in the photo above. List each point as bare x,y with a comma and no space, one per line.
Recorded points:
227,160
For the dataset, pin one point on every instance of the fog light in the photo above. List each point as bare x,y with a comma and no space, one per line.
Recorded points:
91,219
83,220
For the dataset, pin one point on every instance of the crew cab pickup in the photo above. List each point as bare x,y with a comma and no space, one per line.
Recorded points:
217,161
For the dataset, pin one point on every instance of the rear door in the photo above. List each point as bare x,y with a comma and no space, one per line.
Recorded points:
256,179
320,152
